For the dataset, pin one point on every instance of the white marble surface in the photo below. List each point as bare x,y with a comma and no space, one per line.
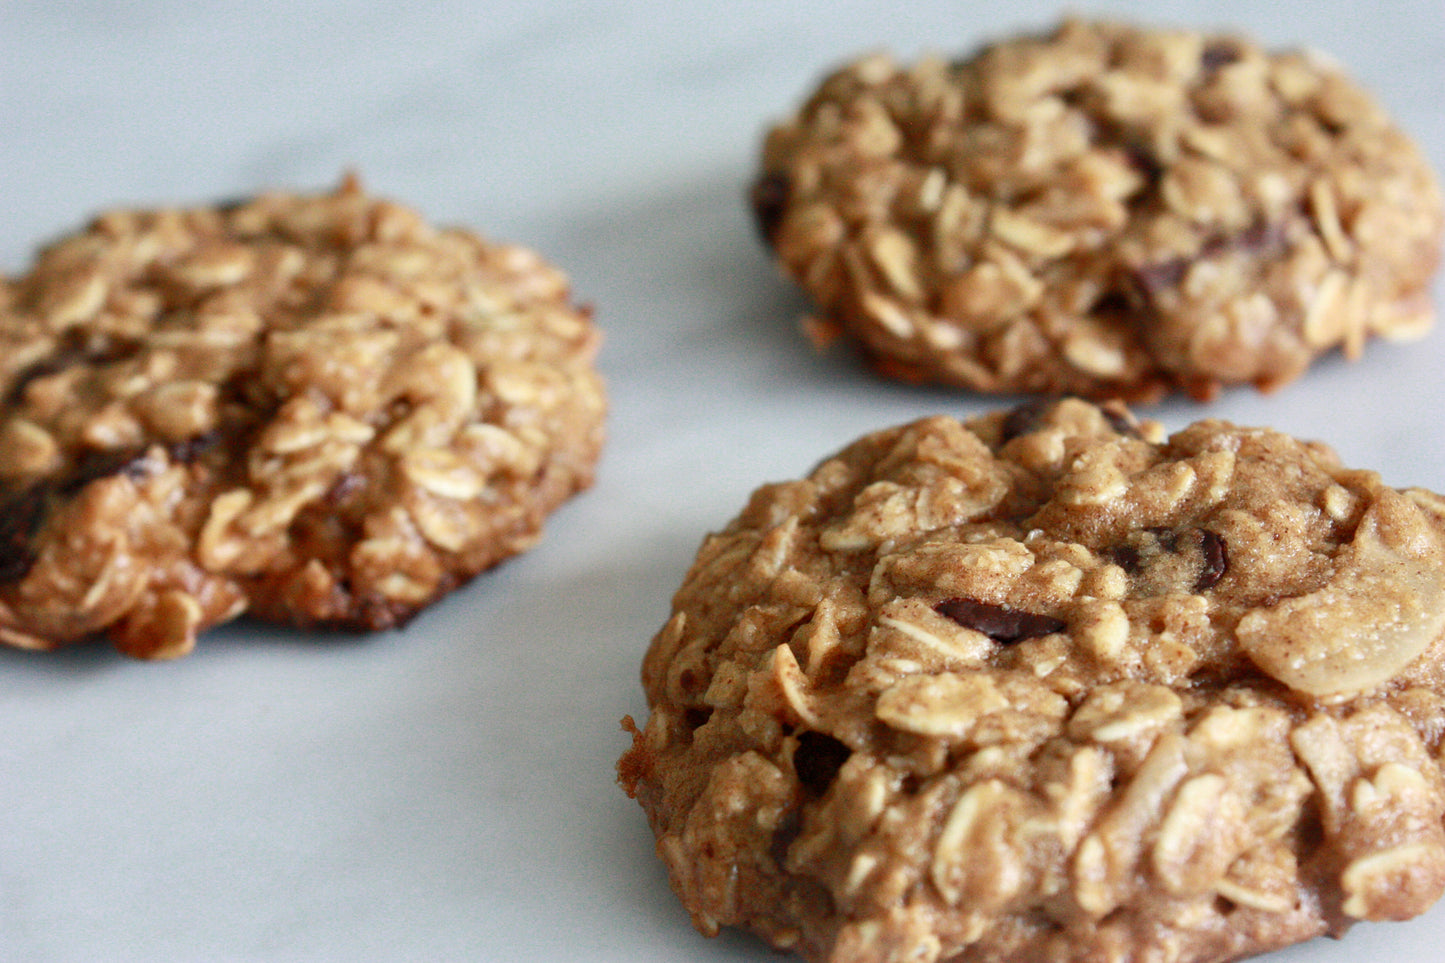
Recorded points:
446,792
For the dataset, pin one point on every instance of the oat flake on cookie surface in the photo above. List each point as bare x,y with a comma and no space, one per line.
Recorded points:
1105,210
1049,687
314,408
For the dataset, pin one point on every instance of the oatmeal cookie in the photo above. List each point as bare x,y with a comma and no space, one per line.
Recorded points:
317,409
1107,210
1048,687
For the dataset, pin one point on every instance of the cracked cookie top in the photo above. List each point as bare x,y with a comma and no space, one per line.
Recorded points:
1106,210
317,409
1050,686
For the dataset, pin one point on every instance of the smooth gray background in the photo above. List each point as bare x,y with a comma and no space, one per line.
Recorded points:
446,792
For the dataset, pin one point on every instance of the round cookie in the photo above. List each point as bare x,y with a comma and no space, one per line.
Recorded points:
1107,210
317,409
1047,687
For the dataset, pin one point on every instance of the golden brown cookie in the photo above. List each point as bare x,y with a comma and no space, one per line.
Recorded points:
317,409
1105,210
1048,687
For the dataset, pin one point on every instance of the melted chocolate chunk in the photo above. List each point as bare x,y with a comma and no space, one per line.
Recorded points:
73,349
1115,302
1118,420
229,205
1026,417
95,465
1126,557
1142,158
16,560
769,197
1266,237
347,484
1264,240
189,450
1002,623
1142,546
1218,53
43,368
789,828
22,514
1030,415
817,760
1154,279
1216,560
1164,561
20,518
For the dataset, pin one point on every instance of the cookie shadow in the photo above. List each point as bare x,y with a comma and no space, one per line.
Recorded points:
81,660
94,656
552,662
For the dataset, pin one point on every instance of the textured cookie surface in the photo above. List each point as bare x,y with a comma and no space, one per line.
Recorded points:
1106,210
315,408
1047,687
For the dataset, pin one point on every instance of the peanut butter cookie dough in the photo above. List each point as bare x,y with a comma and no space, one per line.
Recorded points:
1048,687
317,409
1107,210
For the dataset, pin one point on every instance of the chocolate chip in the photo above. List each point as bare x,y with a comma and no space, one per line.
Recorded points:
1216,560
15,562
347,484
789,828
1002,623
1026,417
1266,238
1142,158
1154,279
1163,561
73,349
1218,53
41,369
1030,415
22,514
1114,302
95,465
230,205
817,760
190,449
1119,420
769,197
20,518
1126,557
1142,547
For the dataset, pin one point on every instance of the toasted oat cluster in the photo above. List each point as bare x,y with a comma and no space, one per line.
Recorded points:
314,408
1107,210
1048,687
